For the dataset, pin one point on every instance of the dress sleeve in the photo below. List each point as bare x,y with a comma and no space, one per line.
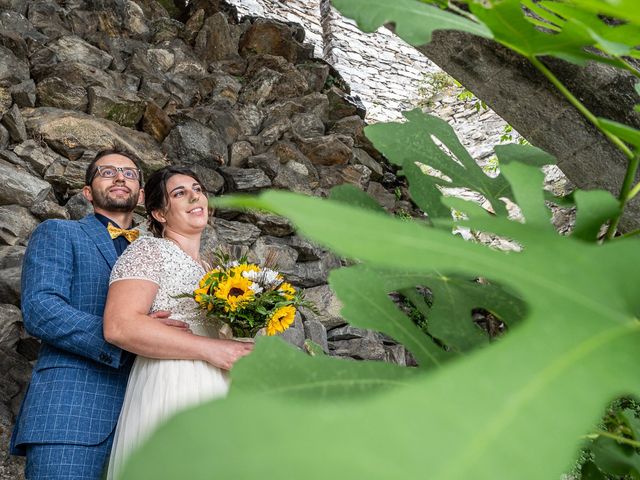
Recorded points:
142,260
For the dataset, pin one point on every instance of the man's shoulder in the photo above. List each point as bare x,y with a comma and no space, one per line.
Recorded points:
56,226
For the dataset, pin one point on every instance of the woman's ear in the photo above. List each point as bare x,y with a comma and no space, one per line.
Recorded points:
159,216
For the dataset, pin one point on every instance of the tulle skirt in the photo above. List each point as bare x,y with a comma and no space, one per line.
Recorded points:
157,389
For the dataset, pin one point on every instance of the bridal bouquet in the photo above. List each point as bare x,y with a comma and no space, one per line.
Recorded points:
248,297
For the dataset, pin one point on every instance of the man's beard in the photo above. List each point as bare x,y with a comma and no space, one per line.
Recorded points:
103,201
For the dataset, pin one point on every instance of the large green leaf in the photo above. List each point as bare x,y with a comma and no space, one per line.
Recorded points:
364,292
275,368
420,140
616,459
480,417
415,21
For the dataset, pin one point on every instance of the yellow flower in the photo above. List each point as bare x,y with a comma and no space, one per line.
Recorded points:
281,319
200,295
235,291
243,267
208,278
287,290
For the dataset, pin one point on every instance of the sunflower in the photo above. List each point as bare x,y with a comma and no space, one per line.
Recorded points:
281,319
243,267
287,290
208,278
234,291
201,295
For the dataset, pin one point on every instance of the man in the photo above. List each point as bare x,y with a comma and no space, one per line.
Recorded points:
66,421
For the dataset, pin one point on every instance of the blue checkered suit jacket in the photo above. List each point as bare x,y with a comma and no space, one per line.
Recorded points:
78,382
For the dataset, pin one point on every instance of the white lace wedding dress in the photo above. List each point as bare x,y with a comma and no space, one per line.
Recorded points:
159,388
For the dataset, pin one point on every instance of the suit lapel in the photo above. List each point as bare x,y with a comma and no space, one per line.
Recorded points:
99,235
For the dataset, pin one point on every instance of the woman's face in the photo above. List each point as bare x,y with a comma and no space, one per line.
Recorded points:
187,210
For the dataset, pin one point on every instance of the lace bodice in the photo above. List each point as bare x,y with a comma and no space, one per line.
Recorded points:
163,262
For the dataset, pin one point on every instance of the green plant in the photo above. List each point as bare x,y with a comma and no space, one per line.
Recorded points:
432,84
519,407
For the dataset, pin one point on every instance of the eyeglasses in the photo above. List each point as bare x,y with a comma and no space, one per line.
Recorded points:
109,171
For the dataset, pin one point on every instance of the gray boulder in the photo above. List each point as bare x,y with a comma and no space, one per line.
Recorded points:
19,187
16,224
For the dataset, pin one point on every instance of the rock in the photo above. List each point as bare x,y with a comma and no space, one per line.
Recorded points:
16,224
220,89
124,108
357,175
211,180
58,93
396,354
73,133
361,157
342,105
307,125
385,198
4,137
12,70
327,304
249,118
353,127
236,233
240,151
74,49
260,89
268,223
5,99
48,209
311,274
273,252
67,177
165,29
266,162
297,176
161,58
358,348
349,332
134,21
191,143
11,267
328,150
24,94
29,348
193,26
10,319
19,187
156,122
315,73
13,122
216,39
317,333
244,179
273,38
78,207
293,336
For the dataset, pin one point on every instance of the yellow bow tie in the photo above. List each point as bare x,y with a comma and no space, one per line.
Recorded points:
116,232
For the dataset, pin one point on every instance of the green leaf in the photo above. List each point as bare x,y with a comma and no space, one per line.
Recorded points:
614,458
421,139
415,21
632,422
276,368
366,304
584,333
594,208
624,132
352,195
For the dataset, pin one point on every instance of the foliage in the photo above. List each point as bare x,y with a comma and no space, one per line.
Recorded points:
518,407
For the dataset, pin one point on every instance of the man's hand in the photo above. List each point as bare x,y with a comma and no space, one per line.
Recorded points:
163,316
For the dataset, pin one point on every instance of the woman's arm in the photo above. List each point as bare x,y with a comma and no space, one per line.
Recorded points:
128,326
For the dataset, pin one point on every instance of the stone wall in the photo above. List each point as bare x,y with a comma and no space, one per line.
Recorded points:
387,74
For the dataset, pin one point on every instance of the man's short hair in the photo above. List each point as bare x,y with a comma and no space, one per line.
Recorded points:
91,169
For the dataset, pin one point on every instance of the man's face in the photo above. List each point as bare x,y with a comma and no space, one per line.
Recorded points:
117,194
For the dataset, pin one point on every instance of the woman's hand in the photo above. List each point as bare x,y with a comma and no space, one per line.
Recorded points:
225,353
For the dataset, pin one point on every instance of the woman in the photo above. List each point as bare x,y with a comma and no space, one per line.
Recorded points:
174,369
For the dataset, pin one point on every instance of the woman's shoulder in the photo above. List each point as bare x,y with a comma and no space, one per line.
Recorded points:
144,258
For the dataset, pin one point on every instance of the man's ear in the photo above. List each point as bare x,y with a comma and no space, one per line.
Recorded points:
87,193
141,197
